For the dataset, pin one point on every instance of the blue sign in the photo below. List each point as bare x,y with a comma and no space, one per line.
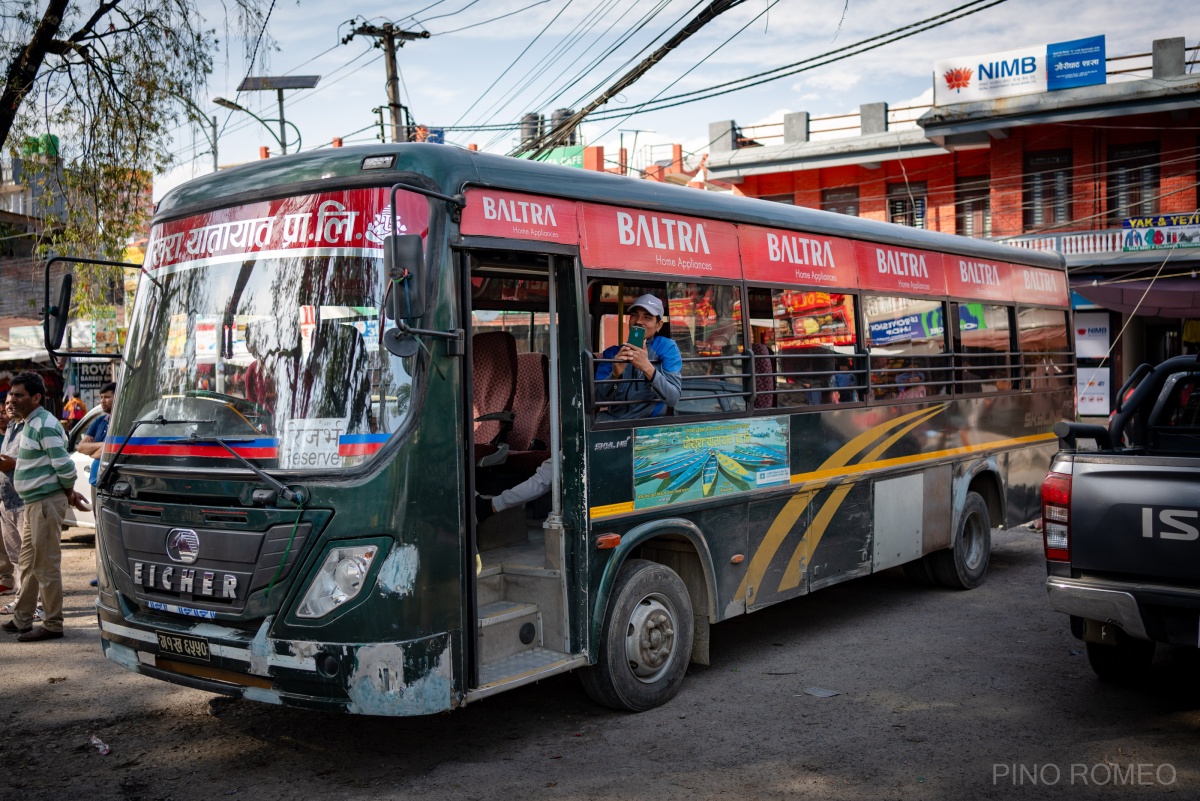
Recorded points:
438,135
1077,63
909,327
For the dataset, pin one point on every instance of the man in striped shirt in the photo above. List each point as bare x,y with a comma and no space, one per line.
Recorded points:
45,480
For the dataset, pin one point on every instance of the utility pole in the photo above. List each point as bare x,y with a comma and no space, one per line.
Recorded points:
388,37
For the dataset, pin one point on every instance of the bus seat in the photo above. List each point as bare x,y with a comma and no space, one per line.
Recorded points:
530,437
764,382
494,367
531,403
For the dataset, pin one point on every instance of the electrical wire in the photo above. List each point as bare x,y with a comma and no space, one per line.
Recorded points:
493,19
513,63
824,59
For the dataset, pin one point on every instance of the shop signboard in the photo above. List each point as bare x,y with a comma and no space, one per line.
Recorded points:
1092,391
1161,231
1027,70
1091,336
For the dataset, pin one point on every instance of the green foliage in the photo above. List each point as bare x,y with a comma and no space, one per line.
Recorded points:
112,82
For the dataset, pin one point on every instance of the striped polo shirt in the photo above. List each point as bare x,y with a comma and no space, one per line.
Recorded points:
43,465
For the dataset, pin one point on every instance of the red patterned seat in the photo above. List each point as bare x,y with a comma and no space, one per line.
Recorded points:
764,381
530,437
494,368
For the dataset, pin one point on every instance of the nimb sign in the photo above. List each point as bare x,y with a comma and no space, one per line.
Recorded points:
1030,70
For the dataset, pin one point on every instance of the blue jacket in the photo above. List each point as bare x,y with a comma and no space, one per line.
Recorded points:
656,395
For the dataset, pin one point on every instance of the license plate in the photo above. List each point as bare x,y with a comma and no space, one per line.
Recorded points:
182,645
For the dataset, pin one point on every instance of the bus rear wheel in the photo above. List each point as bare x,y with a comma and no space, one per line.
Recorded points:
964,565
646,642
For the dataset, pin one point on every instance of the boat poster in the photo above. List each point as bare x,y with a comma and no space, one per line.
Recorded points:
678,463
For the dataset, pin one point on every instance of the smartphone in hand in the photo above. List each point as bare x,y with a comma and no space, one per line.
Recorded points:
637,336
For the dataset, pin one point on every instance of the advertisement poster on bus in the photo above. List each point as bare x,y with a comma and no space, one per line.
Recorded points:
674,464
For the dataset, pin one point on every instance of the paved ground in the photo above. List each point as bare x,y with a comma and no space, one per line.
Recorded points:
943,695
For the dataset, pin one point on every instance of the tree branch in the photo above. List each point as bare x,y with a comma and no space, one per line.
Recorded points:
23,70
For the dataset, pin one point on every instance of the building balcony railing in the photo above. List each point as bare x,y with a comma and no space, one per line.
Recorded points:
1072,243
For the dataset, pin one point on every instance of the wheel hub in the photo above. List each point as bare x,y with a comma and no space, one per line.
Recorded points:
650,642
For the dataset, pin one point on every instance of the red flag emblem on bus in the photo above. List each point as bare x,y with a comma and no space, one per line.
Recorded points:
958,78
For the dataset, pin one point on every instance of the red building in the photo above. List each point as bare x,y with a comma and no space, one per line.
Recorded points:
1057,170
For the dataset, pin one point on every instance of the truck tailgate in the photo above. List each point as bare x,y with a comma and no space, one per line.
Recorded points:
1136,515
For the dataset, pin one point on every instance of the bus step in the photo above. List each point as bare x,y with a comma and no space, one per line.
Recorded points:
507,628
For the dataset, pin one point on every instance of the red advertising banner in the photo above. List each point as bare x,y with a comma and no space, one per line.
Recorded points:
789,257
900,270
967,277
490,212
631,239
1043,287
357,219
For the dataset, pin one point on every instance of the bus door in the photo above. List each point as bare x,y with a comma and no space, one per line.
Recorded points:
515,374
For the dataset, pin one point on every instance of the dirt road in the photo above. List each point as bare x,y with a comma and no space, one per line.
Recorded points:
942,695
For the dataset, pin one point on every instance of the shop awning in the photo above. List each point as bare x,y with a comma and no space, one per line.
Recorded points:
1166,297
25,354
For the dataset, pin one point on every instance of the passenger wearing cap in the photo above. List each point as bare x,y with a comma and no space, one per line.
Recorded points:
652,374
653,377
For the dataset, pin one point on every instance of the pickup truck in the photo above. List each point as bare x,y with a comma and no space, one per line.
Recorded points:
1121,522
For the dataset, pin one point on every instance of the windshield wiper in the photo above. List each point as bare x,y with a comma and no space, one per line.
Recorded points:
155,421
274,483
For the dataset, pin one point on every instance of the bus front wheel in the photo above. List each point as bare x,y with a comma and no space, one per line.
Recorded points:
646,642
964,565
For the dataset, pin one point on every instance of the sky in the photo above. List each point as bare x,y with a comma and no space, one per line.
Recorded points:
574,48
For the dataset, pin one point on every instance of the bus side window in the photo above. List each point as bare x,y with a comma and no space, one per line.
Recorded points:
907,347
706,324
816,344
1046,359
983,348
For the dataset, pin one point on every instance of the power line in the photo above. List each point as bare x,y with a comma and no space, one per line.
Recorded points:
513,63
560,132
807,64
493,19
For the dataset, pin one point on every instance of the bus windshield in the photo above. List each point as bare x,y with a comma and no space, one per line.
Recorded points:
279,356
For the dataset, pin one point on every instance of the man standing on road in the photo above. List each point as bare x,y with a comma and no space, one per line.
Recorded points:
45,480
10,506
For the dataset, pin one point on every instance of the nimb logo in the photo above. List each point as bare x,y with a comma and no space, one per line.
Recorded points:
958,78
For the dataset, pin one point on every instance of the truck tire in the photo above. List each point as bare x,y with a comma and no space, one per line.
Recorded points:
646,642
965,563
1124,663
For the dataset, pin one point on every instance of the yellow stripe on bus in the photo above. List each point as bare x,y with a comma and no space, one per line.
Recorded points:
795,507
897,461
808,544
610,510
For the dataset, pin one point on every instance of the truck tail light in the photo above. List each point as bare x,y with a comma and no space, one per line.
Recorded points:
1056,516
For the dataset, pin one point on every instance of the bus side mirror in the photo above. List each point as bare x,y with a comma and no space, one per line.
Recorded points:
58,311
404,260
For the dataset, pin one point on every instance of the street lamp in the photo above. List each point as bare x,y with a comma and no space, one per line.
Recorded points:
229,104
278,84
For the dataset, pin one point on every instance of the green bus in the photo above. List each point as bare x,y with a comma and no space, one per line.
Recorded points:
331,356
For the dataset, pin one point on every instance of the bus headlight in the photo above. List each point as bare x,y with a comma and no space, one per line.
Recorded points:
339,580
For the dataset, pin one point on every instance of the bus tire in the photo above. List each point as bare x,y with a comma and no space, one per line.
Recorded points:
646,642
1122,664
965,563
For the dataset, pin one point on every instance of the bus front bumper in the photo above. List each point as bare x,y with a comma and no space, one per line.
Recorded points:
412,677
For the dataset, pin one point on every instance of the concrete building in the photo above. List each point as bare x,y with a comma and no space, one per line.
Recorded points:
1057,170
